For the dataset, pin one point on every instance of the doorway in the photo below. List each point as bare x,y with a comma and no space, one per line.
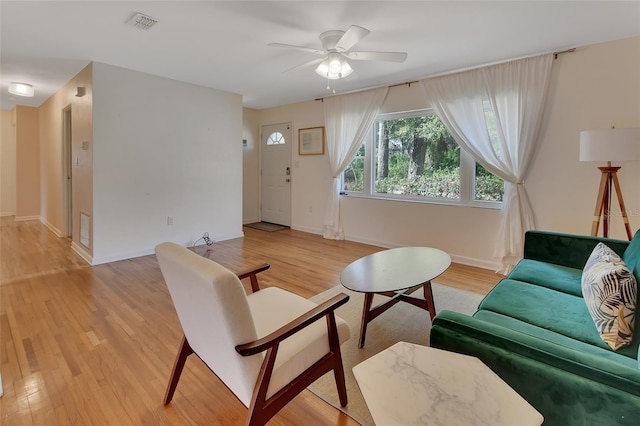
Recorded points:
67,181
275,187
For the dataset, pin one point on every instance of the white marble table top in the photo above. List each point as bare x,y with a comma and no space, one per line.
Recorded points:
409,384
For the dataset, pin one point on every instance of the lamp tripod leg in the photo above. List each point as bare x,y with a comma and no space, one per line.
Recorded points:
623,209
600,204
606,214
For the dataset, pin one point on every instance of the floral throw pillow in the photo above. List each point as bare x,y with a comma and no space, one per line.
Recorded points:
610,292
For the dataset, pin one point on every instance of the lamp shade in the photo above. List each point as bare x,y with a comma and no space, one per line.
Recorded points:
610,145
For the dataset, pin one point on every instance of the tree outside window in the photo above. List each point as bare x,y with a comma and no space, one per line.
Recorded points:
353,177
414,156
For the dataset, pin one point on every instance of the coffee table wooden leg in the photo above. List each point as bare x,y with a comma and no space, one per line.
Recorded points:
428,297
366,312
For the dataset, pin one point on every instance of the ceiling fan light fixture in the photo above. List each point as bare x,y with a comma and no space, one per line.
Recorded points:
336,51
21,89
323,69
346,69
334,67
335,63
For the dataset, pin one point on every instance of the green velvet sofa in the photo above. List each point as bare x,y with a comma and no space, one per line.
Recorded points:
534,330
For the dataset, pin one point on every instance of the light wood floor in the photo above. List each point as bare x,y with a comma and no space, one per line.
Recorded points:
95,345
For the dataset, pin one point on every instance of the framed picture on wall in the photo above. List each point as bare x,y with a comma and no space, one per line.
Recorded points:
311,141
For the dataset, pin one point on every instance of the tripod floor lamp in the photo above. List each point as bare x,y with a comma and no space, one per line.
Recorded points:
609,145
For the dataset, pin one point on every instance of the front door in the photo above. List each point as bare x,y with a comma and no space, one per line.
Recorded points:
276,174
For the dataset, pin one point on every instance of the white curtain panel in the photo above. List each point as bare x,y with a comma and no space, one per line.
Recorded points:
516,92
347,118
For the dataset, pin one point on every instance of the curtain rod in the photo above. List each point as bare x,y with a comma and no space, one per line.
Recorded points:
409,83
555,54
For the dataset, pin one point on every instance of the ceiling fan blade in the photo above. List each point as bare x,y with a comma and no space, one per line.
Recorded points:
304,49
352,36
377,56
305,65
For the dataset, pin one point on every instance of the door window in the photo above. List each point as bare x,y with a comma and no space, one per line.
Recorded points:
275,138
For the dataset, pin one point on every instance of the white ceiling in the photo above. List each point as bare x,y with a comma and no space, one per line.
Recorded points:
223,44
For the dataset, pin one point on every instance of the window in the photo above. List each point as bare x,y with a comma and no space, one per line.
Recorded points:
412,156
353,177
275,138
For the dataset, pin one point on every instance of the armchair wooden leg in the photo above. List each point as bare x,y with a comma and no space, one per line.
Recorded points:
338,369
183,353
338,373
259,411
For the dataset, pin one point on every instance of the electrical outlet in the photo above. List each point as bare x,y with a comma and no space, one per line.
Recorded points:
169,220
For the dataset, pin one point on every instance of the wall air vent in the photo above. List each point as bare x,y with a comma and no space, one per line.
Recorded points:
140,21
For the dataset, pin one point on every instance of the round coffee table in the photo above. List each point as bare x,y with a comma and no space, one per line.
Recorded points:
395,273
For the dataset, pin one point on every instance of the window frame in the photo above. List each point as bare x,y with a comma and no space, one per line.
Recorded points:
467,172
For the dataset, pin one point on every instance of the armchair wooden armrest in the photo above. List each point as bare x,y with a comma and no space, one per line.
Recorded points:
252,273
273,339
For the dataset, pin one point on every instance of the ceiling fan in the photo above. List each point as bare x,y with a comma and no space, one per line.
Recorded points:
336,49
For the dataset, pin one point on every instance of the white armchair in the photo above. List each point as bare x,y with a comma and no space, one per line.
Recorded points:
266,347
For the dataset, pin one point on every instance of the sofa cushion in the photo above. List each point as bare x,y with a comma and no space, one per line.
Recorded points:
565,249
556,338
632,252
631,256
556,277
271,308
543,307
610,293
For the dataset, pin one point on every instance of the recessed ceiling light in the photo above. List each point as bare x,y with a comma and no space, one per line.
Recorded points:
21,89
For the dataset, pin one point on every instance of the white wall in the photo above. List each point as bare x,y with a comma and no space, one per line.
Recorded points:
593,88
250,166
310,174
7,164
53,176
162,148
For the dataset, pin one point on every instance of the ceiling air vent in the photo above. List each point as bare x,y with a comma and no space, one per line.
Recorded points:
140,21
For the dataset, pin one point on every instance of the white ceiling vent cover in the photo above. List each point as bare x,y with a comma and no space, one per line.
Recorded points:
143,22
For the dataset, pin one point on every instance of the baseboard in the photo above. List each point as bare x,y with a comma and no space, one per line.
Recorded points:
214,238
455,258
82,252
119,257
26,218
307,229
4,214
371,242
42,220
478,263
52,228
131,255
469,261
248,221
222,237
